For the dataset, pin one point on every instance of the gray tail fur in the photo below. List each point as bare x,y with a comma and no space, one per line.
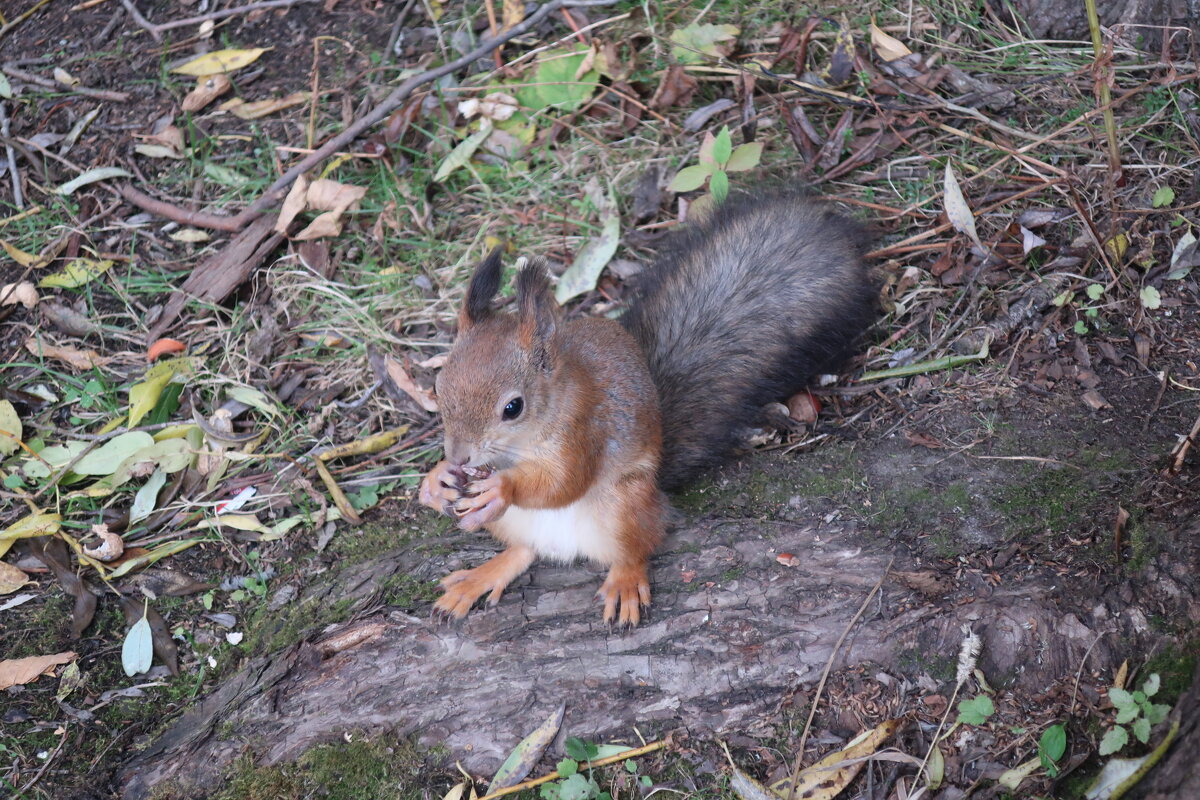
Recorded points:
742,309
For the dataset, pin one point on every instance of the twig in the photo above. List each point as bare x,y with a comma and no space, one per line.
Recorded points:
18,200
1110,122
6,28
157,30
603,762
389,104
50,83
812,710
1184,446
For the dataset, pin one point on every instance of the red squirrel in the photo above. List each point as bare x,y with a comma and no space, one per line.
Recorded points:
561,435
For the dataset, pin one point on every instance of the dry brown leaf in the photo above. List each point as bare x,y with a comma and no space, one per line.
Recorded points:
803,407
513,14
261,108
79,359
889,48
16,671
293,204
24,293
957,210
406,384
12,578
207,89
328,195
327,224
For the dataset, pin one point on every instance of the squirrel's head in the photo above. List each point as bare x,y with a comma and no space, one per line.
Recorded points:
495,388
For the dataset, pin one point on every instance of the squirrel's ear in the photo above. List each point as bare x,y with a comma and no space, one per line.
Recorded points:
538,312
485,282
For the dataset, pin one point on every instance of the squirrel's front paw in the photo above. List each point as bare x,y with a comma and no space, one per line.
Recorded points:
440,489
482,501
627,586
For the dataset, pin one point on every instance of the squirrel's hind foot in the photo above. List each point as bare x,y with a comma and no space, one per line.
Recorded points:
628,586
465,586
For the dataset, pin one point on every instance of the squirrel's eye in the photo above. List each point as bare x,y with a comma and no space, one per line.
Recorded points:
514,408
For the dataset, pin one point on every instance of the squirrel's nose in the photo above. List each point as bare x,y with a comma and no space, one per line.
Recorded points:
457,452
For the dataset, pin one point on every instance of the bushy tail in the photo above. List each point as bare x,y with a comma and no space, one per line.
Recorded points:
743,309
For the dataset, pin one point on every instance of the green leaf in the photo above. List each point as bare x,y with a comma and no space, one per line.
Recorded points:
744,157
631,766
146,499
528,752
462,153
137,652
593,257
1141,729
719,186
575,787
690,178
722,146
1150,687
567,767
152,556
224,175
5,87
10,428
76,274
1095,291
143,396
555,82
1120,698
105,459
578,749
1113,741
646,781
1157,713
253,398
1064,298
1127,714
694,42
976,710
1163,196
1053,742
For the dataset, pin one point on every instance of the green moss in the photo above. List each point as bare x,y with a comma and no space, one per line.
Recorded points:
916,660
364,768
1175,667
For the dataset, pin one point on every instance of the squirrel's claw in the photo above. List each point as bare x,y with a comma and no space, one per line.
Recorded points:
627,586
483,502
465,586
439,490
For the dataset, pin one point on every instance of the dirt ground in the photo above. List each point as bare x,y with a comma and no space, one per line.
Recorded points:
1057,469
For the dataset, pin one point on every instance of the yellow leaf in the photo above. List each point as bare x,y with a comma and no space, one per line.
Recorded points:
261,108
23,258
33,525
220,62
75,274
241,522
827,777
513,14
12,578
143,396
10,428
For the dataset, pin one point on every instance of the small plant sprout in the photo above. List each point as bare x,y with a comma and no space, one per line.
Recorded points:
718,157
1051,748
1136,710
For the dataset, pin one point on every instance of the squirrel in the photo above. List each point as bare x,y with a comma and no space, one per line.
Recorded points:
562,435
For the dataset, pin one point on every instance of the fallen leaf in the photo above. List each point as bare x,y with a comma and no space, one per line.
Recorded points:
12,578
1150,297
17,671
64,77
463,151
111,545
82,360
207,89
137,652
189,236
105,459
220,62
528,752
693,43
92,176
889,48
75,274
1030,240
144,394
261,108
830,775
1095,400
957,210
293,204
556,82
31,260
584,271
24,293
164,347
11,431
406,384
324,225
329,195
675,88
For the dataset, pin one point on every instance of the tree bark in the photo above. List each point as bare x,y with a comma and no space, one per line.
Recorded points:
730,636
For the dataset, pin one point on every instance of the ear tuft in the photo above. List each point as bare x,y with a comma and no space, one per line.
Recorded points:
538,313
485,282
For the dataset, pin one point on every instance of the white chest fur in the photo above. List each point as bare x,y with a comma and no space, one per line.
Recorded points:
562,534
